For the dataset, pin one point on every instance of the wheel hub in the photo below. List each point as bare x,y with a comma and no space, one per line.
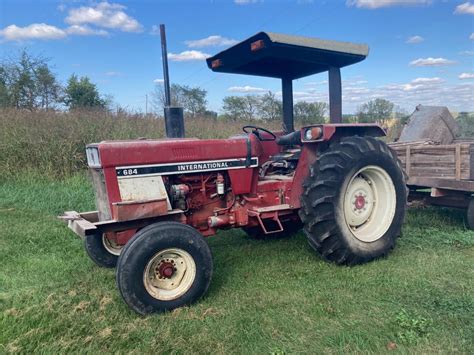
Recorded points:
166,270
369,203
359,202
169,274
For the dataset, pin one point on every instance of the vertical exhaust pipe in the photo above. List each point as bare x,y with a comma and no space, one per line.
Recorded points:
174,117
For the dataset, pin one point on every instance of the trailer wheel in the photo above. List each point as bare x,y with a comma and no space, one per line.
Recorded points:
290,229
101,250
354,201
164,266
470,214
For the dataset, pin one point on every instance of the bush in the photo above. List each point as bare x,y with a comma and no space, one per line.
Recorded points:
53,143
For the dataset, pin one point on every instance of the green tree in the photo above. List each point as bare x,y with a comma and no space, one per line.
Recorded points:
82,93
269,108
48,89
241,107
310,112
23,85
4,89
233,107
28,83
376,111
192,99
466,124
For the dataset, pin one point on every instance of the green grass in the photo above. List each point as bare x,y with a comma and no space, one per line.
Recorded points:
266,296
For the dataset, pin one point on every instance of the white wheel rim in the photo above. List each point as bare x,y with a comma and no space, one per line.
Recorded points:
111,246
165,284
370,203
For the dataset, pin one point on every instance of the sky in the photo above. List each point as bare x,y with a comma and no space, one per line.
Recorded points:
421,51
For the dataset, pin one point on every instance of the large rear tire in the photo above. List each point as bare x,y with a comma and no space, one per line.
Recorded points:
164,266
353,204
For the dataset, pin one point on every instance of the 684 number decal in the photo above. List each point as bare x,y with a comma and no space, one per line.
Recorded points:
127,172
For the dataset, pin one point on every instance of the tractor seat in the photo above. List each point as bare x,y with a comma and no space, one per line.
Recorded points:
293,138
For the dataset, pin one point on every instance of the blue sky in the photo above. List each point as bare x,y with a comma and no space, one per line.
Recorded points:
421,51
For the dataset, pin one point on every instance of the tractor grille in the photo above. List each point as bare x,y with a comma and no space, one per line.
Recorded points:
101,199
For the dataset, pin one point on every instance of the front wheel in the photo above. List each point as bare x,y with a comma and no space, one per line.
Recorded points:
354,201
102,250
164,266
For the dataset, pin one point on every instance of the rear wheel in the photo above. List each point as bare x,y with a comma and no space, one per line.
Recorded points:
164,266
102,251
470,214
354,200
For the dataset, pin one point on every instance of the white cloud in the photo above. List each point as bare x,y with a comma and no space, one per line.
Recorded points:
418,84
159,81
415,39
33,31
466,52
376,4
471,37
435,80
155,30
428,62
433,91
81,30
465,9
211,41
187,56
246,89
104,14
464,76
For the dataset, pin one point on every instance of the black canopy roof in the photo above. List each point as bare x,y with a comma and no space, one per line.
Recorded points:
285,56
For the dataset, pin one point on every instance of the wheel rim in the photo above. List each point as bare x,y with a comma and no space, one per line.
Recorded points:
169,274
369,203
111,246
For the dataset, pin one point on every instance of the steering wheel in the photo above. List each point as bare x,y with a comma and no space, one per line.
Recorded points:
255,130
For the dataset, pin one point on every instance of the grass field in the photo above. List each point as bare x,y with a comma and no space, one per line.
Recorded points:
272,296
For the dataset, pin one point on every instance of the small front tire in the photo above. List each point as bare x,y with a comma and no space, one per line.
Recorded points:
101,250
164,266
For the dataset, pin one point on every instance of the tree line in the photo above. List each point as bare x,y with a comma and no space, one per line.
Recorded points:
29,83
266,107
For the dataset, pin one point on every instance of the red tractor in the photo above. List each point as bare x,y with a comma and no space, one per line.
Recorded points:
157,200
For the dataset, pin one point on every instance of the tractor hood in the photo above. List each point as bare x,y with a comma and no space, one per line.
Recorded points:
169,151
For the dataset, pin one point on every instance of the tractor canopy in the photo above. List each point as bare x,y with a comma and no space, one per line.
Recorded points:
285,56
291,57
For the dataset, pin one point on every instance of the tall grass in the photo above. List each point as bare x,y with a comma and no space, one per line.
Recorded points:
52,143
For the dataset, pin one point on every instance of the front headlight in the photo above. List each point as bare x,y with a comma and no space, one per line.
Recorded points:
93,158
313,133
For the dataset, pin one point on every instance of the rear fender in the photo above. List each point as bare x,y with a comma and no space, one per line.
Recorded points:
330,131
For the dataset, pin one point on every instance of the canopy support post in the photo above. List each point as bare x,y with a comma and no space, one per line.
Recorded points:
287,96
335,95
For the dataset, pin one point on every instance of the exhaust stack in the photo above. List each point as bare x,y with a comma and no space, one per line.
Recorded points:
174,117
